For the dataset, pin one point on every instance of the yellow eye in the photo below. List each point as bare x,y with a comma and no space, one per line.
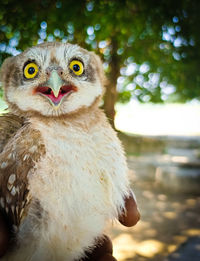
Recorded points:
31,70
77,67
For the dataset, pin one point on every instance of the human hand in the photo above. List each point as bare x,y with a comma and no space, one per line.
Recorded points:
131,215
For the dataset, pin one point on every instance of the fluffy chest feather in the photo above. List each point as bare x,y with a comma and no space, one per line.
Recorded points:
80,184
72,171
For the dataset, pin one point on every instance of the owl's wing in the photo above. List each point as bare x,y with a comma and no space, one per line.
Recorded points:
17,161
9,125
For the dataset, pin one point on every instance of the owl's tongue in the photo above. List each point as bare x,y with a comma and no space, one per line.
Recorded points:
54,99
65,89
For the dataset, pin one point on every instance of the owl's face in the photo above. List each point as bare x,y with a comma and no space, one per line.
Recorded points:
52,79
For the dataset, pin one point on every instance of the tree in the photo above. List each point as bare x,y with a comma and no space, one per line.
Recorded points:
150,48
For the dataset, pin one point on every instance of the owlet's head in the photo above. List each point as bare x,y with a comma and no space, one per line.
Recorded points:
52,79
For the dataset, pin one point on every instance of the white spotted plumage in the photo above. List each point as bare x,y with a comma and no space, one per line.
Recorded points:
4,165
12,179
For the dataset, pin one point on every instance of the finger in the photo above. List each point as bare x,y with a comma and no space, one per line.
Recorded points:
103,247
107,257
4,235
130,216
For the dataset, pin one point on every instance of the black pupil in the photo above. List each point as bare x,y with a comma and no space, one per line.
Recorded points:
76,67
31,70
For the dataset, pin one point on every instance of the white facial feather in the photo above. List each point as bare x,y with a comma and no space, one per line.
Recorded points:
89,85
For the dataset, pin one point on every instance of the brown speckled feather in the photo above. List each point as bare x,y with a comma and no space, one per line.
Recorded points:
9,125
22,149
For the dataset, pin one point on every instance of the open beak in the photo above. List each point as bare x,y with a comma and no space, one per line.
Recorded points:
55,89
55,83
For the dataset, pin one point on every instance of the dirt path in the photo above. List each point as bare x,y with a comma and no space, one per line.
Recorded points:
167,221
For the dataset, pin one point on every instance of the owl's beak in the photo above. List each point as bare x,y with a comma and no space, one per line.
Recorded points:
55,89
55,83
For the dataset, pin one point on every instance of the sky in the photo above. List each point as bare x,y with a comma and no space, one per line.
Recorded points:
159,119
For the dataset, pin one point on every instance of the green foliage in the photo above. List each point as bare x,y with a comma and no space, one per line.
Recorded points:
1,92
124,96
161,36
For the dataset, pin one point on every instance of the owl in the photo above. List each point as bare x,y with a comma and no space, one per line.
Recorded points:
63,173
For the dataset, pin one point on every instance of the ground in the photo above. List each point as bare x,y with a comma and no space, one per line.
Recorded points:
169,225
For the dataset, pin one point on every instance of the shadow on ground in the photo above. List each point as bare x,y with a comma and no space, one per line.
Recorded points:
169,222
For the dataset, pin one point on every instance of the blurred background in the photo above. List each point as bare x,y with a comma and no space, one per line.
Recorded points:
151,56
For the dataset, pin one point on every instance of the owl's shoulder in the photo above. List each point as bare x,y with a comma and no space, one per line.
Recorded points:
18,157
22,139
9,125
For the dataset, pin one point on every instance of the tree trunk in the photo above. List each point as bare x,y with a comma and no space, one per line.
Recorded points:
111,88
